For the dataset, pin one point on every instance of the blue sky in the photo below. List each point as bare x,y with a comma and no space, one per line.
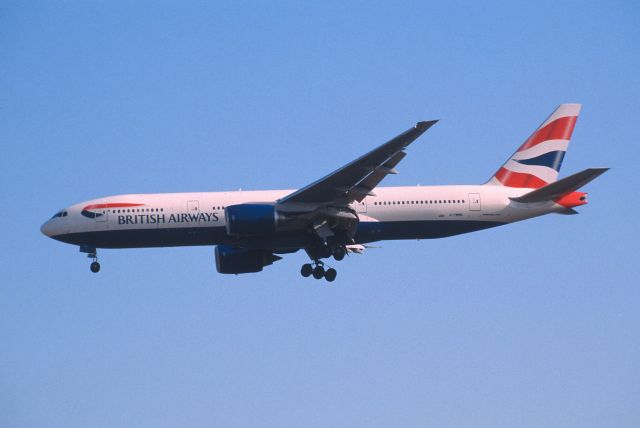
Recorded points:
533,324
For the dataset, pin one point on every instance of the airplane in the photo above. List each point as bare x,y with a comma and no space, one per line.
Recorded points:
338,214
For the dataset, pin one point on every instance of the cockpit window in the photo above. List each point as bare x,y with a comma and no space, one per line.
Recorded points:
61,213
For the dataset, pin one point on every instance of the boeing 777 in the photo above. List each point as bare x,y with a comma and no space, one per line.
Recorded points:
338,214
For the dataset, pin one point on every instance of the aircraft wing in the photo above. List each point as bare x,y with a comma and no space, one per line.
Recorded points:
356,180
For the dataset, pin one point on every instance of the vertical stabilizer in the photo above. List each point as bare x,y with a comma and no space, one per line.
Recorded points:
538,160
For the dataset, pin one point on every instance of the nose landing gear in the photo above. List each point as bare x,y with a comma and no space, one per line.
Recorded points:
92,253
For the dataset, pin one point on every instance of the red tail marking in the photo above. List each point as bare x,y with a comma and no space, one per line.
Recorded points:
559,129
519,179
573,199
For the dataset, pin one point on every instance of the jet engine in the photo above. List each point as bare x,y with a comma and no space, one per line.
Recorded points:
251,219
256,219
240,260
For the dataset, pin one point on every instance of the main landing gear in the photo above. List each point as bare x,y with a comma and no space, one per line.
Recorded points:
339,252
92,253
318,271
323,250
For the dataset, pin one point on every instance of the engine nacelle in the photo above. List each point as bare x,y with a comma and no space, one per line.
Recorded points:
240,260
251,219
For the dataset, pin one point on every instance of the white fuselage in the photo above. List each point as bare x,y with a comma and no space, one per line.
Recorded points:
175,219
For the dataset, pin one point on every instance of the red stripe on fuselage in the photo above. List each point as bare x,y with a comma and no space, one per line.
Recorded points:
111,205
559,129
519,179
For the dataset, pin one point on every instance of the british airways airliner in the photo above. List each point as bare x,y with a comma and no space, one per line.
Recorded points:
338,214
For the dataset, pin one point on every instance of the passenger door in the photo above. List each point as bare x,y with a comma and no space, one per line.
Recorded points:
102,216
361,207
474,202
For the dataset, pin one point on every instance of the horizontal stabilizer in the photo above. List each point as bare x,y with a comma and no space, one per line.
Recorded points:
563,187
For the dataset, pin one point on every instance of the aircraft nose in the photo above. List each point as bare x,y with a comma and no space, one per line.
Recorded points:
46,228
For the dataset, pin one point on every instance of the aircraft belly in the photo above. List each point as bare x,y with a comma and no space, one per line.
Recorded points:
419,229
183,236
143,238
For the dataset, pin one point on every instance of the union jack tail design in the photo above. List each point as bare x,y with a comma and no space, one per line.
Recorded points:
537,162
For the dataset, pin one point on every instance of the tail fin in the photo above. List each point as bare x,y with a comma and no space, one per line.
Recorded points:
538,160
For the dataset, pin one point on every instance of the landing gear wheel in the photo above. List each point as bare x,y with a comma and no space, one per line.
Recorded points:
330,274
306,270
318,272
95,267
339,253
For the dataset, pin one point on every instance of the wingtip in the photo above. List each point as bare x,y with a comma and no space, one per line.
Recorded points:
425,124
